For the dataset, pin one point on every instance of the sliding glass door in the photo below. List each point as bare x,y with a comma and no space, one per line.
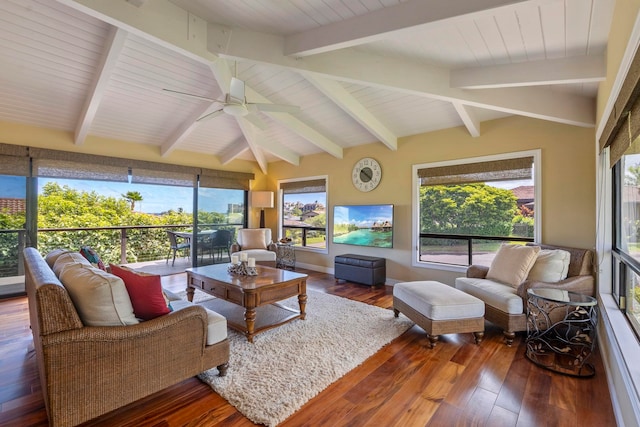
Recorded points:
12,234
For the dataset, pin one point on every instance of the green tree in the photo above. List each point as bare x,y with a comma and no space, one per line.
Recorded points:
132,197
473,209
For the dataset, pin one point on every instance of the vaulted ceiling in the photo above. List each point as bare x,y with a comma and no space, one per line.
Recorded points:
360,71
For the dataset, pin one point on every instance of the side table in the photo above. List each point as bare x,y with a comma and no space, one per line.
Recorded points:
285,256
561,330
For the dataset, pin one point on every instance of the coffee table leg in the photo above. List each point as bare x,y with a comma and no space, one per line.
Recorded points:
302,300
190,292
250,318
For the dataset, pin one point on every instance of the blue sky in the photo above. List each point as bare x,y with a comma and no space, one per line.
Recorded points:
155,198
362,215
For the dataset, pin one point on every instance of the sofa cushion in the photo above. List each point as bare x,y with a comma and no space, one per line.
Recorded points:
253,239
93,257
512,264
100,298
52,256
260,254
145,292
217,324
68,258
552,265
495,294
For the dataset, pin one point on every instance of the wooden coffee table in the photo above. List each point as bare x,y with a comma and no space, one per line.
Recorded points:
258,295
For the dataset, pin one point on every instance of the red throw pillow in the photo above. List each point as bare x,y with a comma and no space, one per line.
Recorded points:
145,292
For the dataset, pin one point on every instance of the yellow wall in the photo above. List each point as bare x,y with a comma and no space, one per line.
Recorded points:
568,189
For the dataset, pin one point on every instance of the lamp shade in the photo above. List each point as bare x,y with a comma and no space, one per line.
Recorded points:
262,199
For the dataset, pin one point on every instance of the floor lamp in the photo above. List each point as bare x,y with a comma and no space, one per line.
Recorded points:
262,200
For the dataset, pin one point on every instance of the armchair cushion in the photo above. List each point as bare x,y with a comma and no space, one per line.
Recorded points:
503,297
512,263
552,265
254,239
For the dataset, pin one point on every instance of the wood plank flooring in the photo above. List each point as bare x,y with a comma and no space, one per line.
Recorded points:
405,384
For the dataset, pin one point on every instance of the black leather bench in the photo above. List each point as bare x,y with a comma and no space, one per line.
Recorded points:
360,269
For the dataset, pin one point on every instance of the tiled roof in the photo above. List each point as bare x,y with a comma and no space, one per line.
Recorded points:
524,192
12,206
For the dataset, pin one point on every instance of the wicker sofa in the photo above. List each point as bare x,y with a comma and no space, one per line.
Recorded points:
87,371
505,305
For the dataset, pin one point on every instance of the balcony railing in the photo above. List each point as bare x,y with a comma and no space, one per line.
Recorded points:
116,244
462,249
315,237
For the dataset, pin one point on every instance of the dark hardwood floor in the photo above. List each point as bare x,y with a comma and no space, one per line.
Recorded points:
405,384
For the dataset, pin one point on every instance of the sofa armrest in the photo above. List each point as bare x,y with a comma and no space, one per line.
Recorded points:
581,284
272,247
477,271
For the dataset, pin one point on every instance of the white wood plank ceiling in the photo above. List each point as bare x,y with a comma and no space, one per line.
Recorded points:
361,71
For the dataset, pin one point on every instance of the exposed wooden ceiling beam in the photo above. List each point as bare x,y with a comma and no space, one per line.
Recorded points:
341,97
380,23
403,76
577,69
112,49
235,149
469,118
251,136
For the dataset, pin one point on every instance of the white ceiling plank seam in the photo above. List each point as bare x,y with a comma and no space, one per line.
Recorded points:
113,47
578,69
468,118
341,97
381,23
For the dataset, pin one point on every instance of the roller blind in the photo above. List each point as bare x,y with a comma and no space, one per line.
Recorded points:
14,160
211,178
62,164
495,170
304,186
623,125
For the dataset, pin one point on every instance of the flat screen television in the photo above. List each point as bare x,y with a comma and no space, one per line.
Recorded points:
363,225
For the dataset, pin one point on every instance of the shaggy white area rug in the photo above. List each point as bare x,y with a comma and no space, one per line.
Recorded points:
269,380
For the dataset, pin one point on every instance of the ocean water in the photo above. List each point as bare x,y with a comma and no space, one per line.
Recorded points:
365,237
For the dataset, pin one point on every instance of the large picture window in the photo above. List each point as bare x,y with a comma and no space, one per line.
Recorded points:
303,203
465,209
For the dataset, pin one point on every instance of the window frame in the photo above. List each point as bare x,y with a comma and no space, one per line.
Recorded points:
329,220
415,201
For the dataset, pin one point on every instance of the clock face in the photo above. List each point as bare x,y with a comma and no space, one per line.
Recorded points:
366,174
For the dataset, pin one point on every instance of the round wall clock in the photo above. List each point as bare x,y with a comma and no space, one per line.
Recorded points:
366,174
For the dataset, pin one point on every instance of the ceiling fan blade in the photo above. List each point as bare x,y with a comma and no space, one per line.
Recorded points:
190,95
210,115
256,121
276,108
236,90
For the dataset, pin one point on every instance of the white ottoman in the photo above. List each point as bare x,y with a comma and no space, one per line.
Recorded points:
439,309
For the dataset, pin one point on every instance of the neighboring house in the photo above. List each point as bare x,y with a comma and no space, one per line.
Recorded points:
524,196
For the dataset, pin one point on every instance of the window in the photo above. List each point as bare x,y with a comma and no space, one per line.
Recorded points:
626,254
465,209
303,205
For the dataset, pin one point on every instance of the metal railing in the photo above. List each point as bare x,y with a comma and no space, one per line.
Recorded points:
432,239
300,234
115,244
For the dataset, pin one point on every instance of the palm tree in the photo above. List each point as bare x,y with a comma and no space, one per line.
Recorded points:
133,197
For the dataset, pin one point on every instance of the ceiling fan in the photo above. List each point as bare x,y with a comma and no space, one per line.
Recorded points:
235,104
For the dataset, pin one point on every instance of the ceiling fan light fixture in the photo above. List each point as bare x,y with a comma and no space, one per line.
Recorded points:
237,110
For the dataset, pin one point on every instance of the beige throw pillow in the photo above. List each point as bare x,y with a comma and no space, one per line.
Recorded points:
512,264
68,258
253,239
100,297
552,265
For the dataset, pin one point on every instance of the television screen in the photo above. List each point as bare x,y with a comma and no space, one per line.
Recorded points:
363,225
